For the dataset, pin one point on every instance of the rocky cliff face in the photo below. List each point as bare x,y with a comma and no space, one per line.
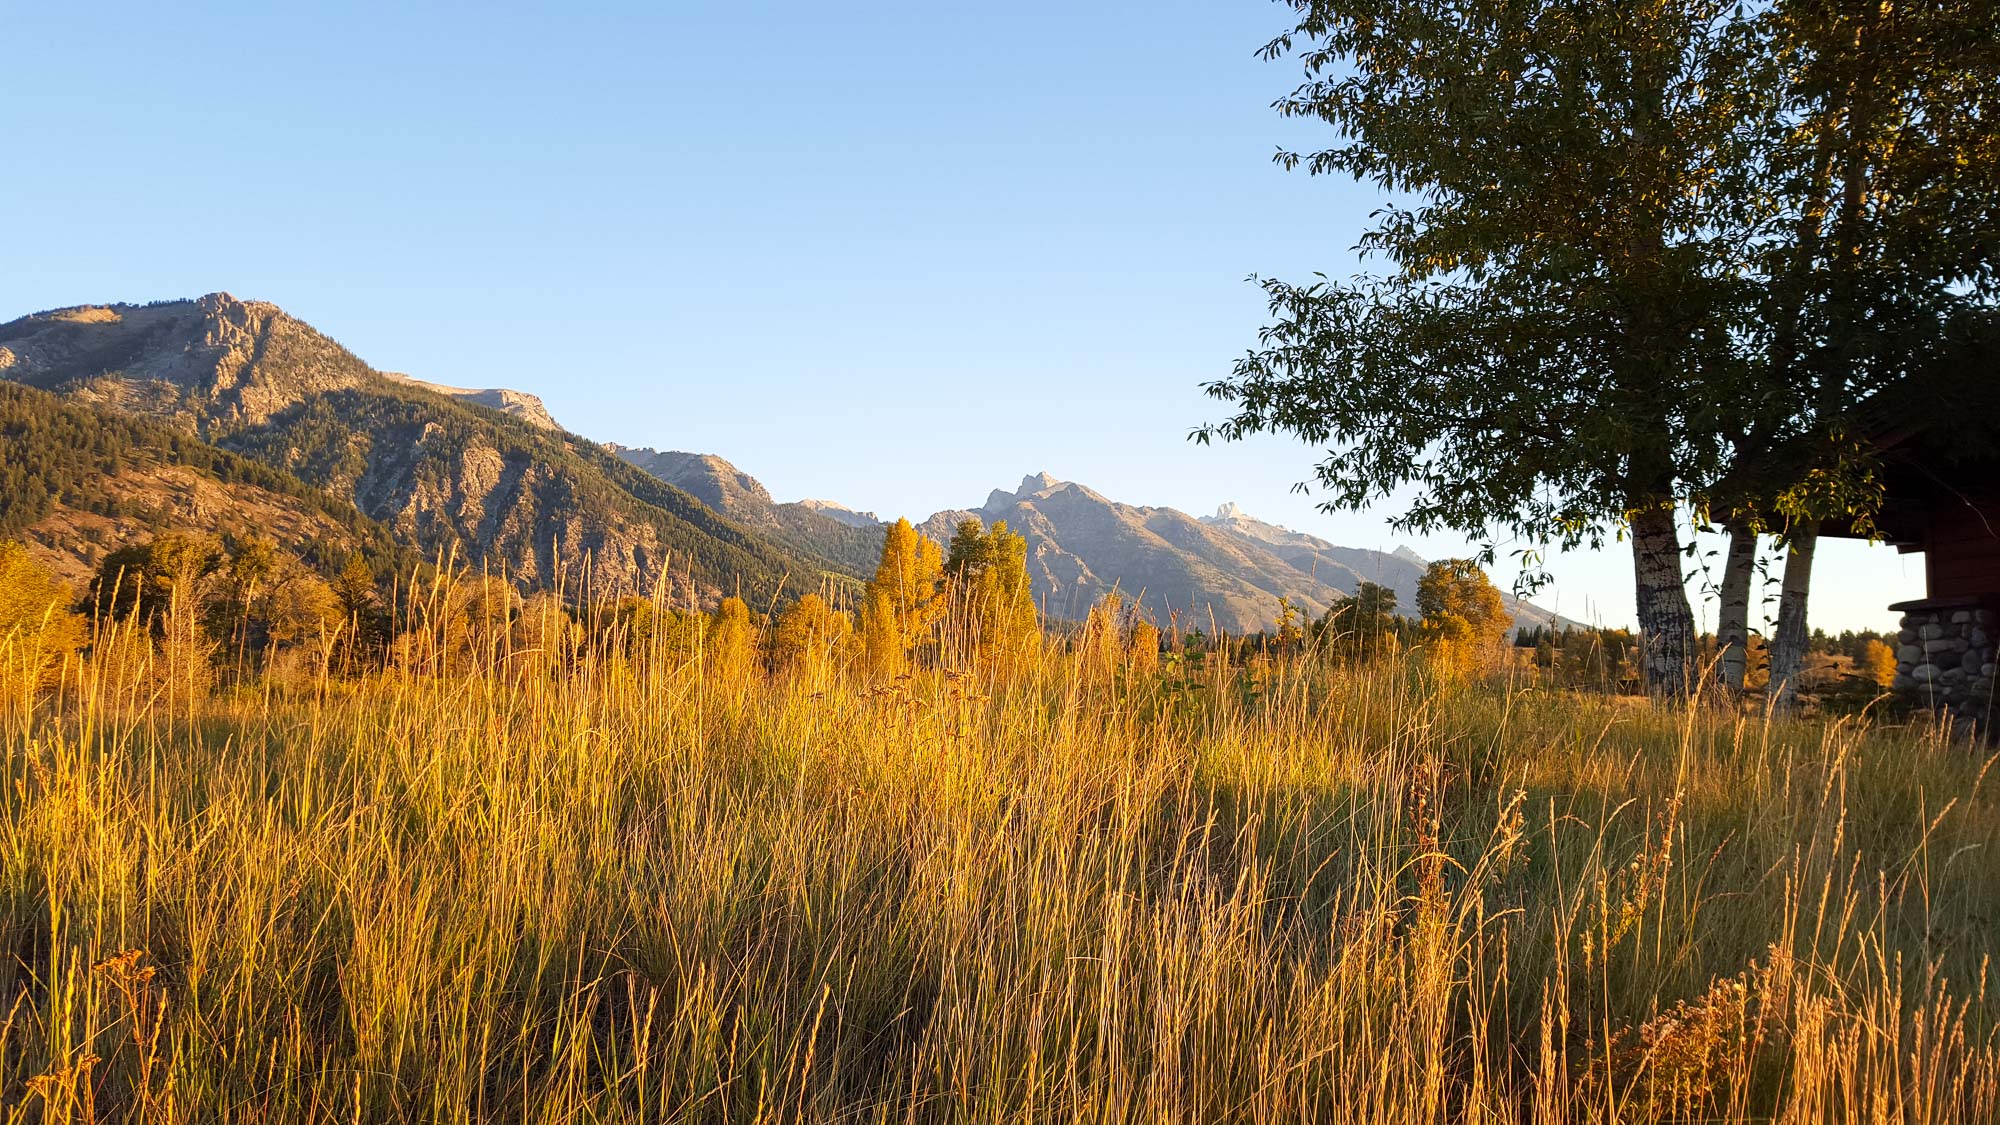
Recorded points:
485,487
519,404
209,366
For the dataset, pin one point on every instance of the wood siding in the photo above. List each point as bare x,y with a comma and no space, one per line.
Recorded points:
1963,551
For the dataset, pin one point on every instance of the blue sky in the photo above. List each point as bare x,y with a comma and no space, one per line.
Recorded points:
890,254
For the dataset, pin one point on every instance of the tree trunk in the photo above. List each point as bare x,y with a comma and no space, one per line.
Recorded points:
1732,626
1665,617
1788,644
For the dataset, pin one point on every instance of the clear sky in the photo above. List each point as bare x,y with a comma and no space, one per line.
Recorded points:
891,254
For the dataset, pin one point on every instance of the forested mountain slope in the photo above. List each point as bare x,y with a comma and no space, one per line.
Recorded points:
446,476
79,481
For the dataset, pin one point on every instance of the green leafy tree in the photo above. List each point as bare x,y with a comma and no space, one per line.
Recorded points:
1874,222
149,577
1362,623
1553,341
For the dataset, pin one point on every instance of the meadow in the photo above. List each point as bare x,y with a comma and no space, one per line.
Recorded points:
568,885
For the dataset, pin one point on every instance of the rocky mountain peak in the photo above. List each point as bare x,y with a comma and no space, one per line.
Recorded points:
834,510
529,408
1036,482
704,476
1231,510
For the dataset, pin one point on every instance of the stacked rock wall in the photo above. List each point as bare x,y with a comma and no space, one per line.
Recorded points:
1945,657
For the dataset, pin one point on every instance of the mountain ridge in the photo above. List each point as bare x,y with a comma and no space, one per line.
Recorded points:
489,478
449,476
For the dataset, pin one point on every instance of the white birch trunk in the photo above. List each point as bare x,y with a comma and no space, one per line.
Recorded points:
1732,626
1788,642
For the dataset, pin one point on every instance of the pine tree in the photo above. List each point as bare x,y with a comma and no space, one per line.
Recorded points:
1361,623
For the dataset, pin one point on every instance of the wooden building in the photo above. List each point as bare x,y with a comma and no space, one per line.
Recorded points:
1939,440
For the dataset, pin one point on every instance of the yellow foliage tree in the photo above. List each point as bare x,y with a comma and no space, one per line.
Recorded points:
1878,663
808,637
1460,604
732,642
1101,648
991,596
38,632
903,602
1142,648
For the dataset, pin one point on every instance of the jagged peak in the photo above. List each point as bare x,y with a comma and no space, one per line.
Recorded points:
1231,510
1036,482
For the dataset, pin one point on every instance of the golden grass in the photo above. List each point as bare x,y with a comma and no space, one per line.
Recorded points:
576,890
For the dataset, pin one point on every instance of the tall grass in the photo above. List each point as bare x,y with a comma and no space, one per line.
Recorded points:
572,887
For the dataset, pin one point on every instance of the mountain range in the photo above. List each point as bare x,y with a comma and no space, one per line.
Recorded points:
234,417
446,475
1225,572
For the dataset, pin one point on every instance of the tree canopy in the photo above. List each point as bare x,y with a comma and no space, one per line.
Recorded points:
1608,245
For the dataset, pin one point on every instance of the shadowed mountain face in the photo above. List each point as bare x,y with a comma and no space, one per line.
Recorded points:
445,474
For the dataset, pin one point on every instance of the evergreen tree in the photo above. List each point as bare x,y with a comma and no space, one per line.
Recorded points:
1361,623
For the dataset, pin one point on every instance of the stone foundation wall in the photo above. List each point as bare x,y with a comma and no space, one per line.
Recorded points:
1944,658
